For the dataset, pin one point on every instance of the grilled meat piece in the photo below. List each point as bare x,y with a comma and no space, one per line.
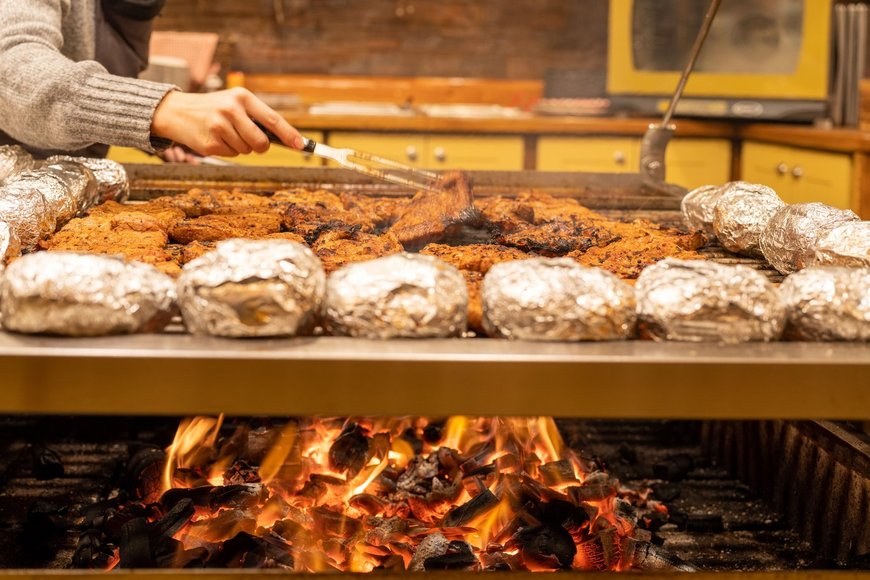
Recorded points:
431,217
194,250
474,283
196,202
384,210
337,248
101,236
505,214
474,257
304,212
165,216
557,238
547,208
216,227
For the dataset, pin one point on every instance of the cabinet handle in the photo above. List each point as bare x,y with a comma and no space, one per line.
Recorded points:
411,153
782,168
619,157
440,154
797,172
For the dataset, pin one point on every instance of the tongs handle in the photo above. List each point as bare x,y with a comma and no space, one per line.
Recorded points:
309,146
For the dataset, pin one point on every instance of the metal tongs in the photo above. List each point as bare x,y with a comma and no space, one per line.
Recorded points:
369,164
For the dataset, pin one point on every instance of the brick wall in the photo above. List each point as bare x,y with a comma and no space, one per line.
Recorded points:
482,38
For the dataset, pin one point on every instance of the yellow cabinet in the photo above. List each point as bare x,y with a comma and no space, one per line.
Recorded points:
799,175
593,154
472,152
695,162
278,156
131,155
407,148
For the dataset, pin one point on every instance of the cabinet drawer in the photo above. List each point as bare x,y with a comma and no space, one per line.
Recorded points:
695,162
278,156
407,148
593,154
486,153
799,175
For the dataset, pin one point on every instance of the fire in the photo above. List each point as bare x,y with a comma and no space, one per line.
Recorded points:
401,493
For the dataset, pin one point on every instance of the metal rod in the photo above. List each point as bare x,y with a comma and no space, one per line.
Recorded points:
696,50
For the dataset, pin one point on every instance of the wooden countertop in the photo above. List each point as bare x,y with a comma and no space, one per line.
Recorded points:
845,140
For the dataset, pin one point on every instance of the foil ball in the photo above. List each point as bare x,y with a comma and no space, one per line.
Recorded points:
844,245
556,299
699,206
14,160
700,301
24,209
790,239
70,294
399,296
828,303
112,181
252,288
742,214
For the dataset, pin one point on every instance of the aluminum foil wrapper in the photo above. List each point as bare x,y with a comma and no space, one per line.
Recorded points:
700,301
828,303
14,160
72,294
845,245
10,245
398,296
23,208
789,242
699,207
556,299
249,288
67,188
112,181
742,214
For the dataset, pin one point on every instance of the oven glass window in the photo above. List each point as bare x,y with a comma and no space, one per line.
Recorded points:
747,37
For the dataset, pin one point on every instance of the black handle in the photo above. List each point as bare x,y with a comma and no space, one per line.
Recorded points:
310,144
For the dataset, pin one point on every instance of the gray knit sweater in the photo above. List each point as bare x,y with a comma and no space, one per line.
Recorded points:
53,95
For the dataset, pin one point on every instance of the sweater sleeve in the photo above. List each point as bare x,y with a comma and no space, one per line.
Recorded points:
51,102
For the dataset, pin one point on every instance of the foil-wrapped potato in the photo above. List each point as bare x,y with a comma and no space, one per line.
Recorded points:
556,299
14,160
70,294
252,288
699,207
67,188
399,296
112,181
790,239
24,209
700,301
844,245
828,303
741,215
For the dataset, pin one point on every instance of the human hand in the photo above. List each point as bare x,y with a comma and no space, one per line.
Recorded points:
176,154
220,123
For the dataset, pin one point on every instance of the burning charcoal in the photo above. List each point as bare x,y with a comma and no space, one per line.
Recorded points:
91,552
674,468
332,523
647,556
143,473
349,451
383,531
135,546
432,546
368,504
470,510
545,547
240,472
238,496
247,551
410,436
291,531
199,496
434,432
175,519
312,493
562,513
558,472
47,464
458,557
393,564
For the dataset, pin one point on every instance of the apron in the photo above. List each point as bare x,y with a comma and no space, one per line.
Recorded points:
123,32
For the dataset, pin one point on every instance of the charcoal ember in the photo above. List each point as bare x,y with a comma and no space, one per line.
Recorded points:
92,552
244,496
175,519
225,525
47,463
417,477
312,493
143,473
459,556
236,444
293,532
369,504
349,453
699,207
545,547
828,303
330,523
409,436
477,506
789,242
648,556
248,551
591,492
432,546
845,245
742,214
434,432
558,473
135,548
556,299
394,563
260,442
398,296
700,301
241,472
383,531
561,514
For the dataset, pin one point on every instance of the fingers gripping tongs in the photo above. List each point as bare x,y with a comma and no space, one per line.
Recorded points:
368,164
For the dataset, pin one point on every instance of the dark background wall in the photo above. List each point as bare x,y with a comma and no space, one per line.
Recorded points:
481,38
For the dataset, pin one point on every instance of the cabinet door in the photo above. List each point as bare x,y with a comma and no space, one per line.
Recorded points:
799,175
407,148
278,156
695,162
593,154
486,153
